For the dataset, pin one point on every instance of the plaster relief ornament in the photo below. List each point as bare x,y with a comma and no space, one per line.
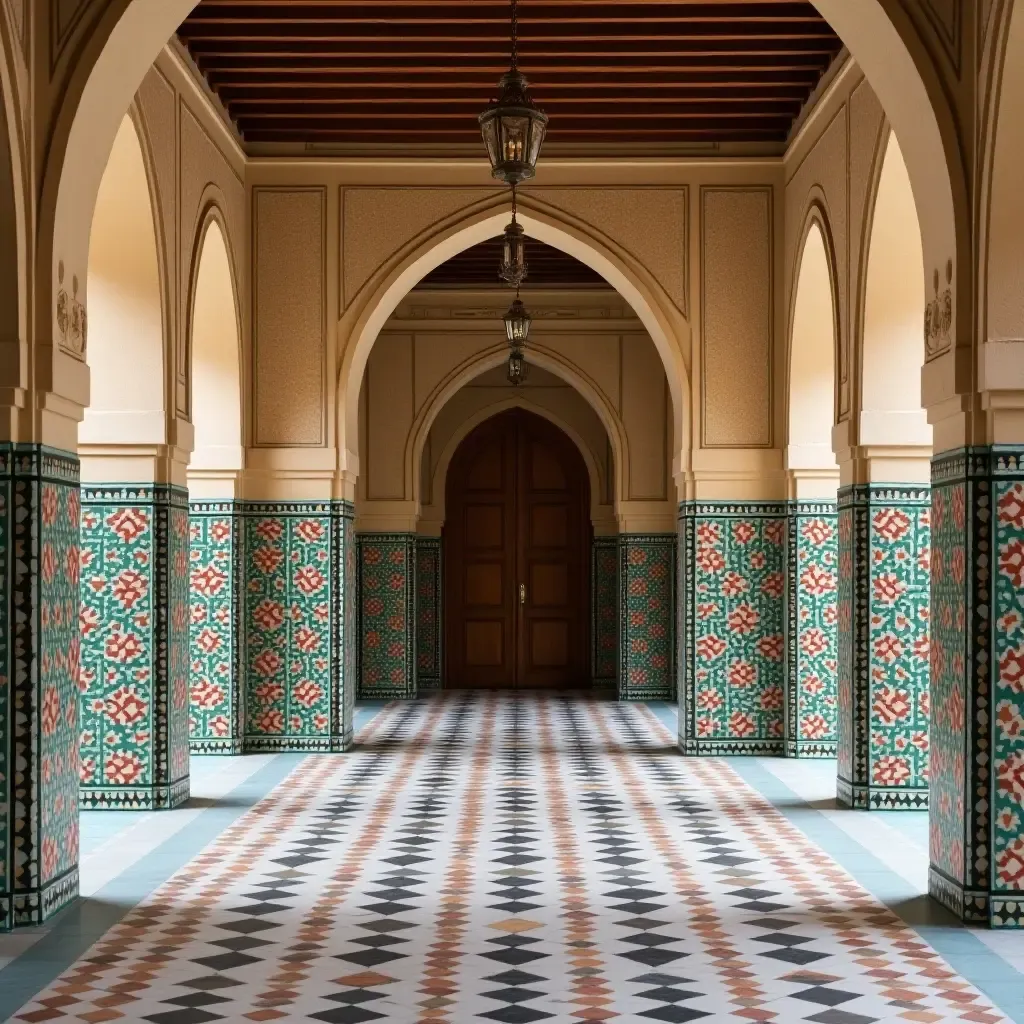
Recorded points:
938,315
71,318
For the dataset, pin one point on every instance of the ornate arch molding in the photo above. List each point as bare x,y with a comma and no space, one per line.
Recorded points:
549,360
859,302
164,252
817,215
1003,57
440,475
13,194
211,211
376,301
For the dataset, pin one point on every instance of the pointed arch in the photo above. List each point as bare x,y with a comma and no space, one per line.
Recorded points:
892,335
363,321
214,350
127,351
553,362
814,347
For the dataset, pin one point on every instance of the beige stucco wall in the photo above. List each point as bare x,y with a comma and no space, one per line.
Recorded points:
196,173
832,173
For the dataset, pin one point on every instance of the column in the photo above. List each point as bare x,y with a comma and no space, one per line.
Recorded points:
977,800
604,613
216,596
428,625
134,740
39,710
647,616
732,671
299,624
387,616
884,608
812,584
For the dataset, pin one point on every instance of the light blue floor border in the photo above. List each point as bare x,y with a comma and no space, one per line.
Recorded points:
85,922
959,946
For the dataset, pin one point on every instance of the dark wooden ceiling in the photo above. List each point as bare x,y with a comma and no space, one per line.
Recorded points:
627,75
548,267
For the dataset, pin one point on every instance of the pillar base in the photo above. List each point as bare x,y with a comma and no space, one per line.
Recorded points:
976,906
135,798
875,798
811,749
34,907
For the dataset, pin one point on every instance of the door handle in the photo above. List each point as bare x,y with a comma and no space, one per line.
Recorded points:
522,593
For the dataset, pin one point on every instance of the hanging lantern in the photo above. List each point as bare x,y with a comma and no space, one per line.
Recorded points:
513,253
518,368
517,324
512,127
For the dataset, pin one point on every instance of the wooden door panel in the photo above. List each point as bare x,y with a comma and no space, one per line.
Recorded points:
517,511
549,645
554,543
479,552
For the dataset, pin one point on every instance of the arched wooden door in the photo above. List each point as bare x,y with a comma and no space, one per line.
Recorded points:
516,550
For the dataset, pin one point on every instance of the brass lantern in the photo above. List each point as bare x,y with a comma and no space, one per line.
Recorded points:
517,324
512,126
513,252
518,369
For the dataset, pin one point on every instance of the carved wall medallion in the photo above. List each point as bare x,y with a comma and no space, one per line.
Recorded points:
938,315
71,318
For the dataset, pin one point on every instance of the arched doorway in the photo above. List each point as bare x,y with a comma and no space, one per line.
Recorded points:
516,543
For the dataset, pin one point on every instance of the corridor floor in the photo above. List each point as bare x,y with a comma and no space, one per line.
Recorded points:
514,859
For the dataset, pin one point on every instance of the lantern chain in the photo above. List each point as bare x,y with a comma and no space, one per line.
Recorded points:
515,36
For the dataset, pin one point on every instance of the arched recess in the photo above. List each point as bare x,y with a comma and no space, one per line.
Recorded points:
127,336
1002,280
813,348
892,337
368,313
550,361
214,351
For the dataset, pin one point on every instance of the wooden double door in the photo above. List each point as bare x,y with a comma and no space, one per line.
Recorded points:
517,567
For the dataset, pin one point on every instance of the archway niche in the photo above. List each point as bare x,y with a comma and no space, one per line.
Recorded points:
811,687
812,359
126,331
894,313
215,358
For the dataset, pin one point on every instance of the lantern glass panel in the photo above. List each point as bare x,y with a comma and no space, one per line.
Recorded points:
518,370
517,324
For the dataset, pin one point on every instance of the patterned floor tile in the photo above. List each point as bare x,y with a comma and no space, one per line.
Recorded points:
514,859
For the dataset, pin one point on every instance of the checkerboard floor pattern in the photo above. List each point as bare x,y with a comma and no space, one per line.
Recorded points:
511,858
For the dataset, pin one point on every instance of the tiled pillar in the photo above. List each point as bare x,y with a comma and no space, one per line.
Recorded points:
387,615
428,625
604,613
216,590
812,584
977,788
884,600
732,668
39,566
299,565
647,616
135,646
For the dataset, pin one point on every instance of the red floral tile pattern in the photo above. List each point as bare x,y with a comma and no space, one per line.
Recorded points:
290,698
646,620
134,627
812,640
604,628
387,615
428,614
734,608
39,517
214,622
885,557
